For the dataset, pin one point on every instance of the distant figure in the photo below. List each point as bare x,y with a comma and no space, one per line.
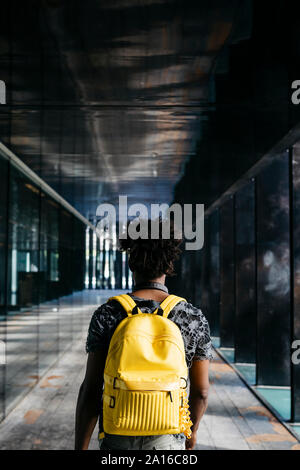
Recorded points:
144,348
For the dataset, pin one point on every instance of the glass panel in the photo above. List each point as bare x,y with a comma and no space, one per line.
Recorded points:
49,289
23,287
78,257
43,248
3,251
273,275
65,278
227,311
214,272
245,341
296,278
205,278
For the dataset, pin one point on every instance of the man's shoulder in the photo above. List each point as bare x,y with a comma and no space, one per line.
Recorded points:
109,309
189,309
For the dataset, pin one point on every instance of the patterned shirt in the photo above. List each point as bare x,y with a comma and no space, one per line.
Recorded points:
190,320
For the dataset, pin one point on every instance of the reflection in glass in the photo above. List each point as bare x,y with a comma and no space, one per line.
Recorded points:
43,247
23,281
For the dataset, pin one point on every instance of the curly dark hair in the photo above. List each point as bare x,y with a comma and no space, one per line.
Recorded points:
151,258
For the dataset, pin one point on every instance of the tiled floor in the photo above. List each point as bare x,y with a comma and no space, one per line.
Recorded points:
236,419
277,398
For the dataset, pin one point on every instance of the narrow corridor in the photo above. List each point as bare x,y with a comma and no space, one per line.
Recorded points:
44,419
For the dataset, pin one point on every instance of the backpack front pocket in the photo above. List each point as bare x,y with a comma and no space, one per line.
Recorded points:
147,411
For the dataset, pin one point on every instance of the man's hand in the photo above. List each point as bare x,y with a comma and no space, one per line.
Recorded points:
89,400
199,385
190,443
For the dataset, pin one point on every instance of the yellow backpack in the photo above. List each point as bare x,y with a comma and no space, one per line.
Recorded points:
145,375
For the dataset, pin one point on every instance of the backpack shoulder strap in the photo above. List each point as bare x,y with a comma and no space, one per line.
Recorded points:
126,301
169,303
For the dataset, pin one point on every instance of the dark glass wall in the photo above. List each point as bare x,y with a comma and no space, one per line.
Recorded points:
209,272
42,264
49,287
66,278
23,242
254,249
245,274
214,272
295,226
205,291
4,169
251,259
273,274
227,273
249,273
23,279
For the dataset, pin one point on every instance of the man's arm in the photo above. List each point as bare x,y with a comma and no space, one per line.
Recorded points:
89,400
199,385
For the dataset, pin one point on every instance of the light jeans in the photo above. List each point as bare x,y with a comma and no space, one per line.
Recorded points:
162,442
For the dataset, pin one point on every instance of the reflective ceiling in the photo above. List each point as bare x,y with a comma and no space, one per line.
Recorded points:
109,97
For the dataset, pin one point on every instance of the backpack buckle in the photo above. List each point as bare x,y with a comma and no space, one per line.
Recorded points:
134,311
114,383
159,311
112,402
183,378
